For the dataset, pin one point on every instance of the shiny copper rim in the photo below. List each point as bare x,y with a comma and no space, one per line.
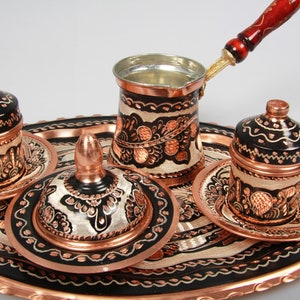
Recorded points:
21,183
127,64
93,245
225,291
261,168
160,92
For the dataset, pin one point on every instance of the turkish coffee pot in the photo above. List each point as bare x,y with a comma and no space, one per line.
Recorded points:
157,126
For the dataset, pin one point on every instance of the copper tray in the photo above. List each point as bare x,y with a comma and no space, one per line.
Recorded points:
201,259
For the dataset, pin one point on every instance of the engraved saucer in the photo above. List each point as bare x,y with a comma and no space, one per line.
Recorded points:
209,191
40,160
91,218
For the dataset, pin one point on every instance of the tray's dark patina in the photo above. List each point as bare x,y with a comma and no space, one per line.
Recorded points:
201,260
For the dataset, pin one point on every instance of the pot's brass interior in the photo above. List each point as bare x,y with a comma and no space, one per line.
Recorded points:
160,70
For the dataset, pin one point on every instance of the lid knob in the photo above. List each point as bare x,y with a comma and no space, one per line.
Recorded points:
89,159
277,109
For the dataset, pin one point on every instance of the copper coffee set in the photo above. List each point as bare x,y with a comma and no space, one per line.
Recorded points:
112,209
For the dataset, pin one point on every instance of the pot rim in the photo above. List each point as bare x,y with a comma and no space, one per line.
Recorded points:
182,75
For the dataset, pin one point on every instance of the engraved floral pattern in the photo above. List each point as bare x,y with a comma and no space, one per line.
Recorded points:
150,144
263,205
11,164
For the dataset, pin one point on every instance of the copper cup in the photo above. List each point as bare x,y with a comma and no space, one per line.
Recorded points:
157,126
12,161
264,185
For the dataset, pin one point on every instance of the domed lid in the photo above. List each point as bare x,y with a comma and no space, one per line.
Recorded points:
10,115
92,207
271,138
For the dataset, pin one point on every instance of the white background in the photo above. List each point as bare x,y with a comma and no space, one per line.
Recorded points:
56,57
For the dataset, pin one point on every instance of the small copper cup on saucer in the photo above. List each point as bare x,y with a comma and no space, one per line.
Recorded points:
12,161
264,183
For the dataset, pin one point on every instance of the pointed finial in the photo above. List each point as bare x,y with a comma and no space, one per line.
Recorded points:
89,159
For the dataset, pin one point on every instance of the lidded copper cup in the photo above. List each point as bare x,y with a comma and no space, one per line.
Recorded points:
265,169
12,161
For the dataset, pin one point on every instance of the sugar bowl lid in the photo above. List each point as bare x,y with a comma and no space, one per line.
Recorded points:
268,140
92,208
92,217
10,115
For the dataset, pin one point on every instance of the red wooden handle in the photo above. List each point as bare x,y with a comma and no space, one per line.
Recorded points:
273,17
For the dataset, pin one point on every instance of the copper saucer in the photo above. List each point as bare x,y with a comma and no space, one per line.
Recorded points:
23,234
209,192
41,159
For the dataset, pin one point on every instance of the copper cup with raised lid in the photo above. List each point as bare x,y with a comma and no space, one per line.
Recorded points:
264,185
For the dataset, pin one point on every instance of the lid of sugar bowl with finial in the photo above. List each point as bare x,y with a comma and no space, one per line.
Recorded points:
269,143
92,217
10,115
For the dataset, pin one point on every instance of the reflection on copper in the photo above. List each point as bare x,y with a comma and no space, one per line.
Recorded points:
89,159
215,139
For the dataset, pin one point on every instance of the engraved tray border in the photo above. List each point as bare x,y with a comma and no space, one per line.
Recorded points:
256,267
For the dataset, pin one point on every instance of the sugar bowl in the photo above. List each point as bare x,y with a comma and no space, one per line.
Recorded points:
264,182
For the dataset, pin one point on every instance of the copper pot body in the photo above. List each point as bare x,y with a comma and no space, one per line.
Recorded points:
158,124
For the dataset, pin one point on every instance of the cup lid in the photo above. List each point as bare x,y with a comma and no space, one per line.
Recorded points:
10,115
272,138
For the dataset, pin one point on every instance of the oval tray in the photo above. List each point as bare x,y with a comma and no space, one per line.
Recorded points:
201,259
